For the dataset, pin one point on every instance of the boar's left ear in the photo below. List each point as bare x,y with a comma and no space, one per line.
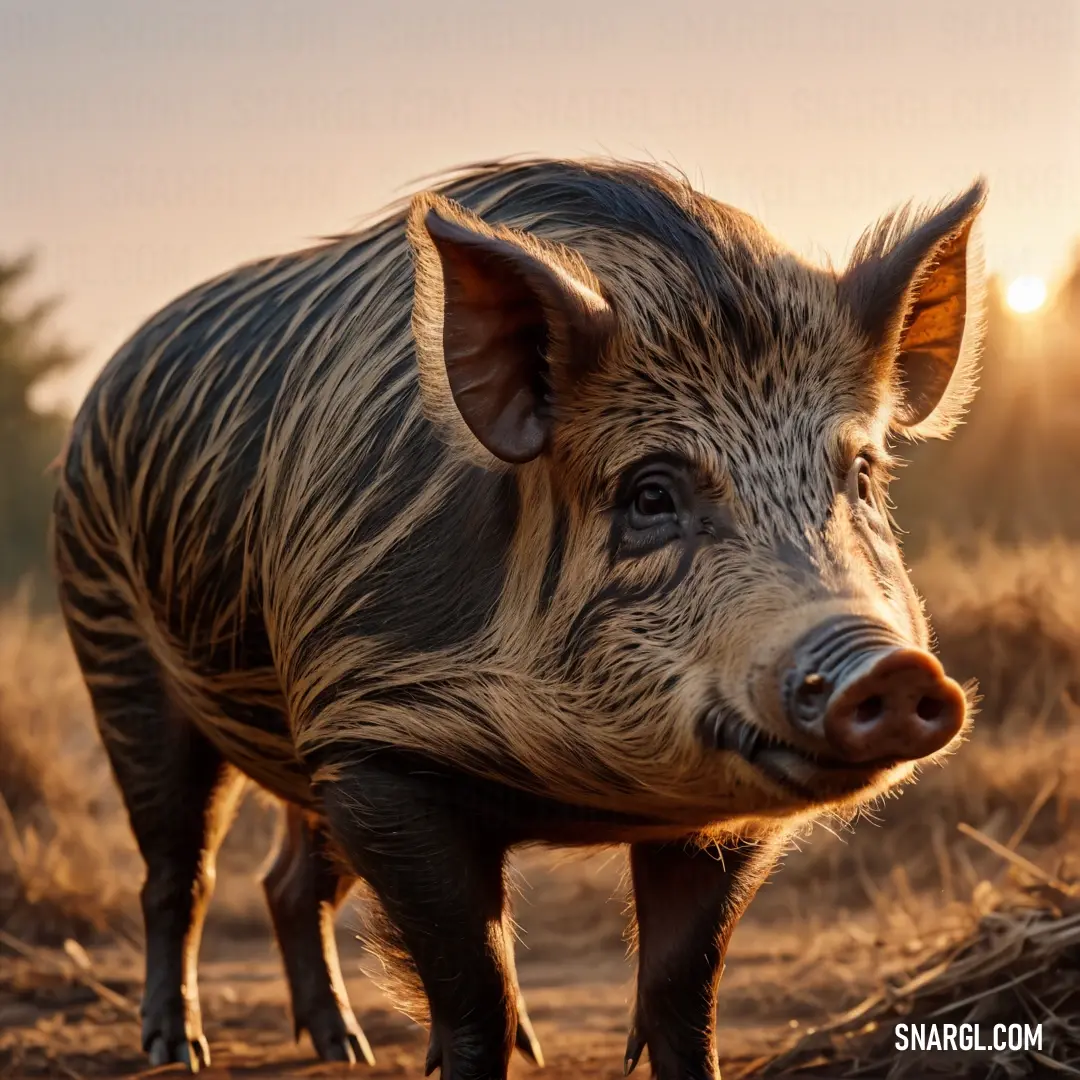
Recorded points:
504,323
915,288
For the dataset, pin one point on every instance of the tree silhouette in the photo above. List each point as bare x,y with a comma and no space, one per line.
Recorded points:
29,439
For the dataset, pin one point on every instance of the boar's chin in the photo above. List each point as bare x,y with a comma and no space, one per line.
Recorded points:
802,780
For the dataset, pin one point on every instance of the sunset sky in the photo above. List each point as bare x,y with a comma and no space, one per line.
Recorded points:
145,146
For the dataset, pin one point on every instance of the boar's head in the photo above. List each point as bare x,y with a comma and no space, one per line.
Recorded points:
707,606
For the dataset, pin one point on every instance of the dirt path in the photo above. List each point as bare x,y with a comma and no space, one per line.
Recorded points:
572,964
54,1028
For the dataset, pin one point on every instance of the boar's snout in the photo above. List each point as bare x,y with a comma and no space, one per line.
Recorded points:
865,695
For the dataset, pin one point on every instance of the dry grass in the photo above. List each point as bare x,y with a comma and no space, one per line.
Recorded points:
1009,957
67,864
1010,617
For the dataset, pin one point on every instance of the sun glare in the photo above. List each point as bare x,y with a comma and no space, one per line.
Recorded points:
1026,294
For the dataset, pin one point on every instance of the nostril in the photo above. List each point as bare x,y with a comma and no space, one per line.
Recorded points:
869,710
929,708
810,698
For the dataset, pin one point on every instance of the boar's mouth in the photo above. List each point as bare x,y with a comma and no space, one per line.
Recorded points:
799,771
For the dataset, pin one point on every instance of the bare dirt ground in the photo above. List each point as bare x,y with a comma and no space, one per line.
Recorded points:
573,966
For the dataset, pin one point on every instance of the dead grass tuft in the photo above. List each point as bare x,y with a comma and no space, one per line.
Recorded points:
1013,957
68,865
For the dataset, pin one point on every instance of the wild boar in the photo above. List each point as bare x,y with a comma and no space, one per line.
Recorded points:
549,507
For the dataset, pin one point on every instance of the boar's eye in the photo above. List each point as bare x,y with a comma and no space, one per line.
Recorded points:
652,507
651,501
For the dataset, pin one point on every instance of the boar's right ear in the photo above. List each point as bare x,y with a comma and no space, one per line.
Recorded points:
503,324
915,288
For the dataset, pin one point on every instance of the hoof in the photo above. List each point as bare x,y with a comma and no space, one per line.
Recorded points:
337,1038
192,1052
526,1042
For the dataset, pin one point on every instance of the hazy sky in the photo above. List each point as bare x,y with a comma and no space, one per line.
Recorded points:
145,146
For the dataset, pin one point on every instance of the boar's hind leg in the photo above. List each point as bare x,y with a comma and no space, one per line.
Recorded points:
438,872
304,887
688,901
180,796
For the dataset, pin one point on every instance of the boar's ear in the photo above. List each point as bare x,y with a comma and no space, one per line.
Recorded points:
915,288
503,324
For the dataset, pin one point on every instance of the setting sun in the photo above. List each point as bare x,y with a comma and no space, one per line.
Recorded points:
1026,294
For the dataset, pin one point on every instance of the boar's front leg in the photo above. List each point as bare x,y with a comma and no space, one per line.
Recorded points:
688,899
437,869
525,1040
